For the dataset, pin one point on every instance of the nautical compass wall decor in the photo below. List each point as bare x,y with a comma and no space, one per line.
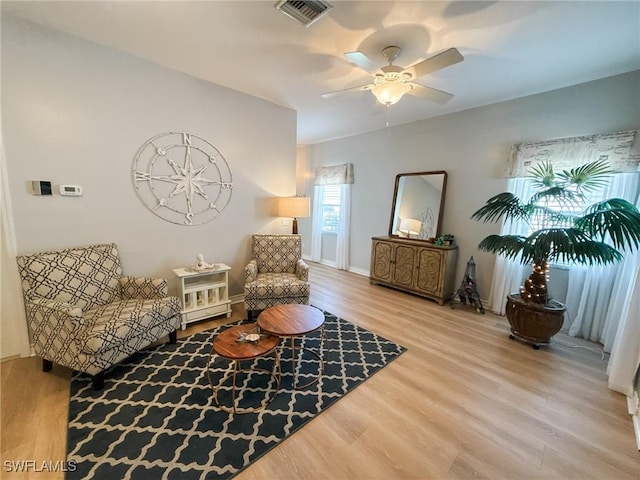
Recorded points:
182,178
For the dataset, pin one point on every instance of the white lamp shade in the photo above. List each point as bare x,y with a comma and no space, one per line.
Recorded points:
410,226
294,207
390,92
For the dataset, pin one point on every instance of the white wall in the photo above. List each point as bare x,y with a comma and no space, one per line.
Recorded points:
75,112
472,147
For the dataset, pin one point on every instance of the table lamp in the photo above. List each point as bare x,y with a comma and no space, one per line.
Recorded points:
294,207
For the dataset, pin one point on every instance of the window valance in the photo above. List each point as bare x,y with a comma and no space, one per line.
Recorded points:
334,175
619,149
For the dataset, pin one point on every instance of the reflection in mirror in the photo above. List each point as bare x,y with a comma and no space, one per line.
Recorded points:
418,201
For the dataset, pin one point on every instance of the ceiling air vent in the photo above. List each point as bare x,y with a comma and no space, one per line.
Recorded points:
304,11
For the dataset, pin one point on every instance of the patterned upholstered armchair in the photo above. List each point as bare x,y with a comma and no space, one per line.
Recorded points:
276,274
83,314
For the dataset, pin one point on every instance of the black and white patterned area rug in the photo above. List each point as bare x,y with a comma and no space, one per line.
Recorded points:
156,417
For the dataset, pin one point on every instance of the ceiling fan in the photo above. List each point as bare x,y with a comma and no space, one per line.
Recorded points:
391,82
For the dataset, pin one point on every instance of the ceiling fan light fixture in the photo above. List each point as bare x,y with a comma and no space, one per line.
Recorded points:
391,82
389,93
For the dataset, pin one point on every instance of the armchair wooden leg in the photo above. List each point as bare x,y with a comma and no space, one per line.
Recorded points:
47,365
173,337
98,381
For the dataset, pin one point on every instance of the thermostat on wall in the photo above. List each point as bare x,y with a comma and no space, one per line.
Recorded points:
71,190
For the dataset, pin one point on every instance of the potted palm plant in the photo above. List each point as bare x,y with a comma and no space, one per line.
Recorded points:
569,230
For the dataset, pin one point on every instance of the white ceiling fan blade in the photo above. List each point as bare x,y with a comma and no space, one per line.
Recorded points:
445,59
429,93
361,60
346,90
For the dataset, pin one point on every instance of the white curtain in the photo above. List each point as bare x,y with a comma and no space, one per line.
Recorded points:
342,243
588,293
508,274
625,351
316,226
622,324
592,290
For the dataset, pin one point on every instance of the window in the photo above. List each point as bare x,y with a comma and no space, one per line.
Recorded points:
330,208
558,215
559,212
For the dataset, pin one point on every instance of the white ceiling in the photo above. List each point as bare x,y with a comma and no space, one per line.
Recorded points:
511,49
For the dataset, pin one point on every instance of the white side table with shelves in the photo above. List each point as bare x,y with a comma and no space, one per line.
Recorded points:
203,293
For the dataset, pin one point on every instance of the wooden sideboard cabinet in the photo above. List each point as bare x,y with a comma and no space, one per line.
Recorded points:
414,266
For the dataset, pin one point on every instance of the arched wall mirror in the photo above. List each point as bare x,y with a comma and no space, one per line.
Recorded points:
418,202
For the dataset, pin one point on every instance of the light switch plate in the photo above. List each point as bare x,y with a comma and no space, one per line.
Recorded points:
41,187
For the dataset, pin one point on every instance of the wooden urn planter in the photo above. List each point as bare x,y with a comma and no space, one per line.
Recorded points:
534,323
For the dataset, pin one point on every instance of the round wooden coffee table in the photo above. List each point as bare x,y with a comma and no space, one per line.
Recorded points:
226,345
294,320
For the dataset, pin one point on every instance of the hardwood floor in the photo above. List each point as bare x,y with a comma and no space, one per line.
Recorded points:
463,402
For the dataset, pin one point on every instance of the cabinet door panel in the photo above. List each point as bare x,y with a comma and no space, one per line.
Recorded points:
382,256
404,265
430,268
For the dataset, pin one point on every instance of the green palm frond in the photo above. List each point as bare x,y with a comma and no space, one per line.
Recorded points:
592,236
568,245
554,218
504,204
615,219
557,192
541,174
611,203
508,245
588,177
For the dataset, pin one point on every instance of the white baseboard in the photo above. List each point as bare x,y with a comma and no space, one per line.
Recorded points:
332,264
239,298
9,358
359,271
633,407
328,263
633,404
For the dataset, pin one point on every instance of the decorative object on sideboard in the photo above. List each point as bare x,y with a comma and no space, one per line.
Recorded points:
445,240
294,207
593,235
418,196
428,227
202,265
182,178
